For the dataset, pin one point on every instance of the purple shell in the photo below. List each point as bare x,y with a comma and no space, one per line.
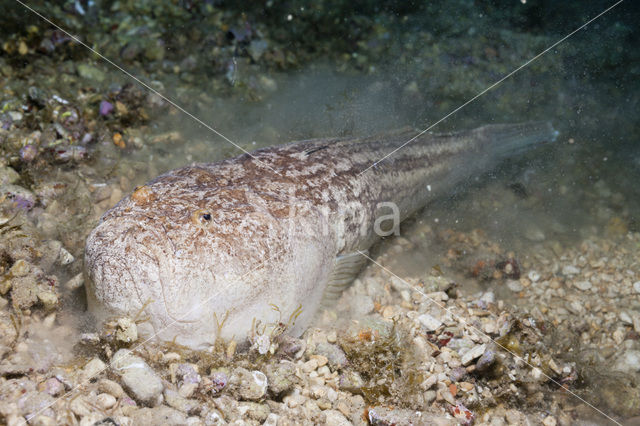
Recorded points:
105,108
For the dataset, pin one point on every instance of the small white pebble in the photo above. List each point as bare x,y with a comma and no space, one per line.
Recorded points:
570,270
473,353
533,275
583,285
105,401
625,317
636,286
429,323
514,285
310,365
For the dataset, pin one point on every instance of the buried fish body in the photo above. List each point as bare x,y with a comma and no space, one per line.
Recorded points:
208,250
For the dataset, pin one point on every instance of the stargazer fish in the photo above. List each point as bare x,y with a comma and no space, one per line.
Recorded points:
210,251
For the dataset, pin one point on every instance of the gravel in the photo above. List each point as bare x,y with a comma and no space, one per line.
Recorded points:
140,379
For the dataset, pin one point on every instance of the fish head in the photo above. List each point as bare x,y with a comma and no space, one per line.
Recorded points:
192,265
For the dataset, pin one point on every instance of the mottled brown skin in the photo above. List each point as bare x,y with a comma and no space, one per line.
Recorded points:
233,237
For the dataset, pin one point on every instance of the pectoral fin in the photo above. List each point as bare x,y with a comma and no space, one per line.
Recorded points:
345,269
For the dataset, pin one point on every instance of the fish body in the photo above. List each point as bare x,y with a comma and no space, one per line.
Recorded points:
214,250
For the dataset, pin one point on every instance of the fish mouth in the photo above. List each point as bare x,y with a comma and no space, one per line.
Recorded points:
129,263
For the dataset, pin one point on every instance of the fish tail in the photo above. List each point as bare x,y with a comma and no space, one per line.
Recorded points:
505,140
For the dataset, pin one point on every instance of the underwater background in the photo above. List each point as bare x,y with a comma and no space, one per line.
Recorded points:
548,243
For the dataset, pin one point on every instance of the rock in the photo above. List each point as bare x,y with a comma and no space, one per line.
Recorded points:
20,268
91,370
281,377
472,354
186,373
137,376
583,285
227,406
127,330
91,73
351,381
249,385
514,285
8,176
175,400
80,406
570,270
272,420
253,411
486,360
75,283
291,347
335,418
105,401
52,386
336,357
161,415
32,403
628,361
257,48
48,299
187,389
429,323
212,416
383,416
534,276
636,286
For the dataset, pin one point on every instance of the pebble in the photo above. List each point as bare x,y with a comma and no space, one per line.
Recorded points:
137,376
486,360
91,370
105,401
429,323
52,386
110,387
336,358
294,400
187,389
91,73
249,385
8,175
281,378
161,415
534,276
473,353
629,361
80,406
514,285
175,400
583,285
625,317
636,286
570,270
127,330
76,282
335,418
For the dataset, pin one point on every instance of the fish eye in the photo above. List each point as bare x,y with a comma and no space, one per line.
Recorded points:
201,217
